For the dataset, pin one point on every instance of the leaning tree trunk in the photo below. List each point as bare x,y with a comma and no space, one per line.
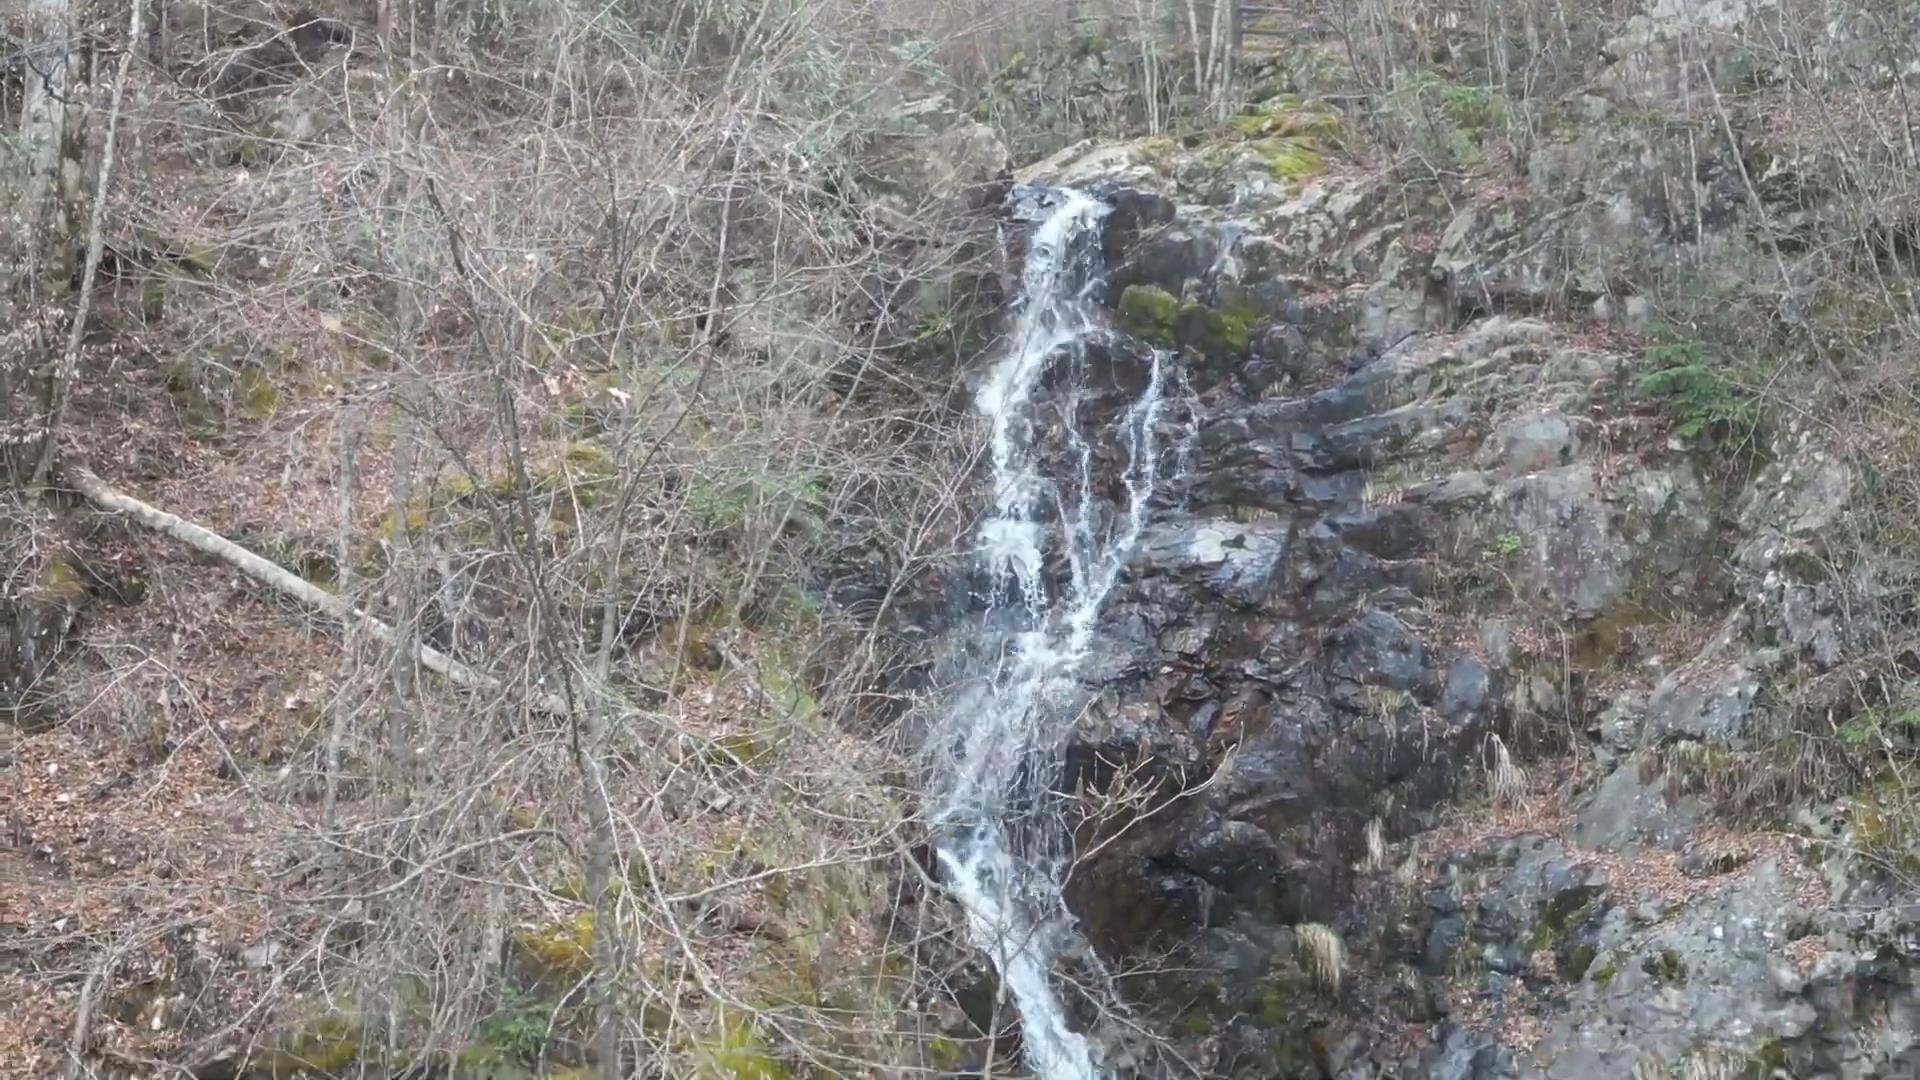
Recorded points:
40,183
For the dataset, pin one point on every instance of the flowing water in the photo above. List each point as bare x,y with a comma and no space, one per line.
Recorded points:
998,832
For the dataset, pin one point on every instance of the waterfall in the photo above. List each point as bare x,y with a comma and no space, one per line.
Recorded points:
999,745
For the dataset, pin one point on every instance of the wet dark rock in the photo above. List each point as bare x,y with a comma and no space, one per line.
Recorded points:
1136,214
1233,856
1378,649
1467,689
1398,476
1168,260
1241,564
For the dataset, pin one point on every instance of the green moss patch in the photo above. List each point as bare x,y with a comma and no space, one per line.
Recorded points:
1561,912
260,398
1665,967
560,950
1210,331
1289,135
1149,313
1286,116
1156,317
1290,158
735,1051
1579,959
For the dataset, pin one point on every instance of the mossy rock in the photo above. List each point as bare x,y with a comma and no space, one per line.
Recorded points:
153,299
1281,1007
1237,303
194,387
1150,313
558,950
1210,331
735,1051
588,459
736,750
259,398
1159,147
1769,1059
61,582
1666,967
944,1054
1290,159
1156,317
415,520
1561,912
574,886
1578,960
790,690
324,1045
1286,115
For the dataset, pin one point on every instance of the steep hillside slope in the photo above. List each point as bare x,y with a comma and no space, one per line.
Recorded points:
1507,669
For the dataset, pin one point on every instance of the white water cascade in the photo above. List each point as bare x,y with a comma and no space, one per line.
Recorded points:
999,748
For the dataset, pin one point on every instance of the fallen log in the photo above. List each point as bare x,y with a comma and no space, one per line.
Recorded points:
274,576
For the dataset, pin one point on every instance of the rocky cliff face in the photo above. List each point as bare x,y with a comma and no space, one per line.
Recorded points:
1424,674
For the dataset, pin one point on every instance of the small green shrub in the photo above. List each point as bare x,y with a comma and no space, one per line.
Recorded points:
517,1034
1873,726
1443,121
1473,108
732,503
1699,387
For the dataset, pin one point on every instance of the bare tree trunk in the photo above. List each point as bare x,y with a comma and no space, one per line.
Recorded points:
60,381
1199,54
160,38
33,252
1147,19
46,111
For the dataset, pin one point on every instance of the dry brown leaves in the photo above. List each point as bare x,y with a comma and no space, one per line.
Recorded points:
116,850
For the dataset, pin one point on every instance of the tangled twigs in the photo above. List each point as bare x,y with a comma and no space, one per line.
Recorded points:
97,982
277,577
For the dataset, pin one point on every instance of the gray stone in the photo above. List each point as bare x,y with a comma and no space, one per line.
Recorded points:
1570,553
1710,699
1625,810
1531,443
1467,689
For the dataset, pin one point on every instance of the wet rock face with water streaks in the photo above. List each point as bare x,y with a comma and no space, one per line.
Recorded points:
1400,538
